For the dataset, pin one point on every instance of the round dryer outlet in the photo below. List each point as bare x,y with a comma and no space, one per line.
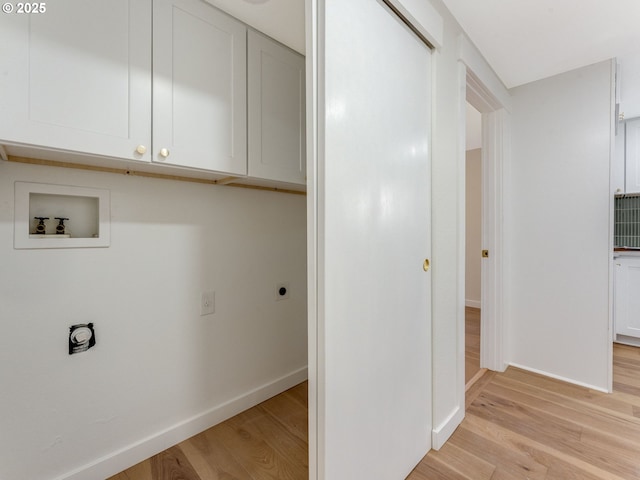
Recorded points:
282,291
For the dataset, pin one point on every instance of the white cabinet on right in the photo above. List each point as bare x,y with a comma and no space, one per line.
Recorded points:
626,299
276,112
632,156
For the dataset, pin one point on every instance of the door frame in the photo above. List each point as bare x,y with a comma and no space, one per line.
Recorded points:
485,92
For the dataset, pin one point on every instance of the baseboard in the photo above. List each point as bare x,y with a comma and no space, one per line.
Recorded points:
473,303
442,433
558,377
626,340
474,379
134,453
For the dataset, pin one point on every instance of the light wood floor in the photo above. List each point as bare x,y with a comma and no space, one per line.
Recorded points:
268,441
472,345
518,425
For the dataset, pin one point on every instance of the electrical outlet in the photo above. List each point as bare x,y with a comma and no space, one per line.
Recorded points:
282,291
208,303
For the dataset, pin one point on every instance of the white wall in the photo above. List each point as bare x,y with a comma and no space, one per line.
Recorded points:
473,232
559,226
159,370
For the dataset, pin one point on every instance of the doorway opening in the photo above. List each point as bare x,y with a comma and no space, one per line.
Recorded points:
492,102
473,245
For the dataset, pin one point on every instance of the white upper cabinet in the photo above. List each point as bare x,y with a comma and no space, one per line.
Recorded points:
78,77
165,82
276,93
199,87
632,160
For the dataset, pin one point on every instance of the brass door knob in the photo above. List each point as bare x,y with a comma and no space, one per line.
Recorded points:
426,265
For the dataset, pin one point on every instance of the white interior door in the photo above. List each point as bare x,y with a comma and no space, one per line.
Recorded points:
373,377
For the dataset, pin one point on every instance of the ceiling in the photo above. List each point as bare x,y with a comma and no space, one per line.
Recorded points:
280,19
526,40
523,40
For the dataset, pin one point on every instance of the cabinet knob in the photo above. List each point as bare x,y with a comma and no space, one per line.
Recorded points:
141,149
164,152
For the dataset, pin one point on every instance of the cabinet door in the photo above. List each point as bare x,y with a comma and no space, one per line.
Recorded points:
276,93
78,77
627,300
199,87
632,161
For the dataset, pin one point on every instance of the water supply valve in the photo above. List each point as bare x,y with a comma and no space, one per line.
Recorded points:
60,227
41,228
